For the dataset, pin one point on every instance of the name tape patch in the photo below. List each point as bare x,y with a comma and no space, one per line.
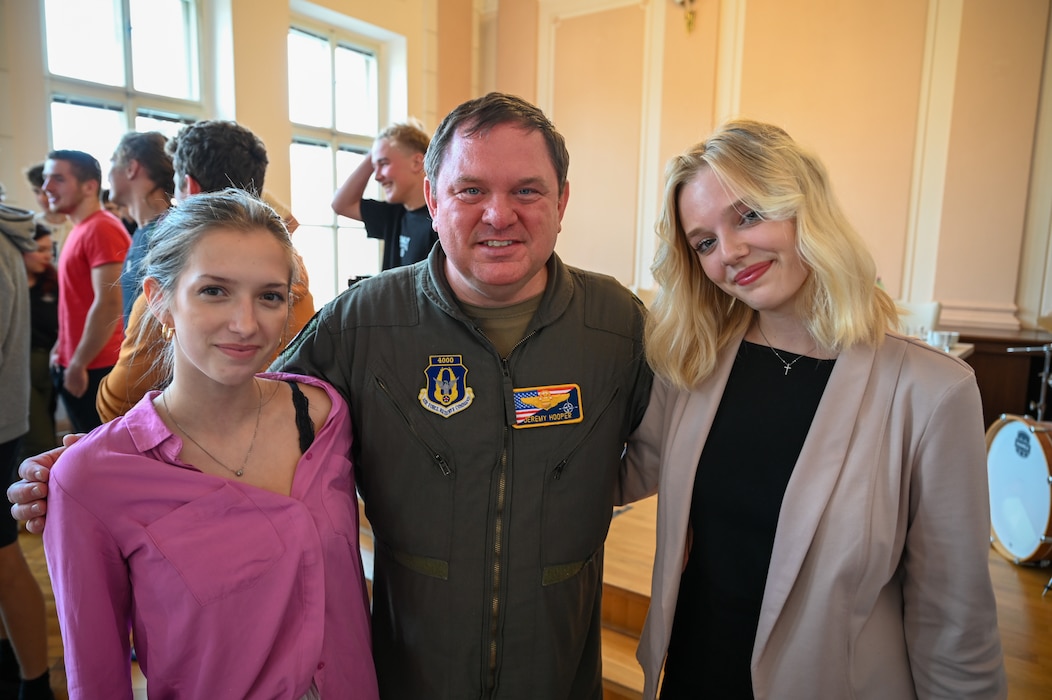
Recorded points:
539,406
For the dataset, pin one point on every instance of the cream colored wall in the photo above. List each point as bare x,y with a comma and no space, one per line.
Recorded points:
844,82
1035,279
686,107
599,228
689,63
820,84
516,48
261,90
989,161
924,113
457,54
23,99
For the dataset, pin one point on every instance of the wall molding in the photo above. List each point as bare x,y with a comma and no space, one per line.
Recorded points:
731,42
931,150
1034,296
550,14
650,167
971,314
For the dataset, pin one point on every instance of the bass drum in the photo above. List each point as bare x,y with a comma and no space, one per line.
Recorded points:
1019,451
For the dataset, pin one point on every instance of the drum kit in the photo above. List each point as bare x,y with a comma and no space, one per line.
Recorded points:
1019,455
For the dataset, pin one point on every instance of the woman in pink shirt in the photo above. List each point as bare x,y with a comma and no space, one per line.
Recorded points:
216,521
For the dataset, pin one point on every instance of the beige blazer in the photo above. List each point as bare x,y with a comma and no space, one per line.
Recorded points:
879,584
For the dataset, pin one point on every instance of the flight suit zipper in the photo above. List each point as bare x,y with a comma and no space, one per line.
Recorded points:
498,553
557,473
439,460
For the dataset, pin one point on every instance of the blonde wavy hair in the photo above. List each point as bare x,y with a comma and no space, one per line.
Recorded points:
692,319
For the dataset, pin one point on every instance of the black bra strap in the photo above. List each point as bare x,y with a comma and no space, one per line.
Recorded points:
304,424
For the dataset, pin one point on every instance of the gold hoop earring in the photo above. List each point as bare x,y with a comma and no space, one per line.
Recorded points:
167,332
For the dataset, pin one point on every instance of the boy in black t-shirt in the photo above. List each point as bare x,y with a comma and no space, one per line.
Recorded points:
402,221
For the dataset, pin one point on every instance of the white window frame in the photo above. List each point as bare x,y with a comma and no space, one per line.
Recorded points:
125,98
339,140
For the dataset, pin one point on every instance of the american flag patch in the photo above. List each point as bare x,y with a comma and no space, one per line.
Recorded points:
538,406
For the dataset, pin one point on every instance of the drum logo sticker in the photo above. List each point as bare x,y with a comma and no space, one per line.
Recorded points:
539,406
446,391
1022,444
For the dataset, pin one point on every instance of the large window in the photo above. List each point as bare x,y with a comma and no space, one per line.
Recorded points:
334,110
139,71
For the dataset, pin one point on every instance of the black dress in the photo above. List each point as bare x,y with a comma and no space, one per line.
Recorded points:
756,437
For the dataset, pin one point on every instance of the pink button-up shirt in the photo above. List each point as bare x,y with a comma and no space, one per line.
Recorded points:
231,591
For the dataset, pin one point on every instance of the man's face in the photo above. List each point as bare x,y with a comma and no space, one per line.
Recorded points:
41,196
399,171
497,209
64,192
120,183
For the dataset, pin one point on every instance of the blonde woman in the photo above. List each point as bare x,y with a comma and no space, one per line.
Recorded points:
823,511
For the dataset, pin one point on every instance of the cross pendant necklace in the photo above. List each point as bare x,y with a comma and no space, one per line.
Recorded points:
788,365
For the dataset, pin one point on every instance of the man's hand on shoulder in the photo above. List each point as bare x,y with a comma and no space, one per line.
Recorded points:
29,495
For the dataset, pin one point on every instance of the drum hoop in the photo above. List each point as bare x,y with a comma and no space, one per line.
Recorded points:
1042,432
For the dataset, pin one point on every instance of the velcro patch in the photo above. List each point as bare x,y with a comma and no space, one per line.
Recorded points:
539,406
447,391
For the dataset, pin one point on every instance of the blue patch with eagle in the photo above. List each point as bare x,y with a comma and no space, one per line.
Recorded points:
539,406
447,391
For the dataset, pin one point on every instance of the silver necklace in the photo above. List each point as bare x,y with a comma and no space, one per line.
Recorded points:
236,472
788,365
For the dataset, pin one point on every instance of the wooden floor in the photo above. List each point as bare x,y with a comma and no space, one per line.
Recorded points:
1025,619
1025,616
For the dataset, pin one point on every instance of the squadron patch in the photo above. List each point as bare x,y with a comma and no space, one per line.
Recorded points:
446,391
538,406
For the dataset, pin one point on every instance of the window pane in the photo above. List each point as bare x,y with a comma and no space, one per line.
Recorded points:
163,47
310,80
331,262
310,168
152,122
94,130
315,246
346,162
356,108
84,40
357,255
